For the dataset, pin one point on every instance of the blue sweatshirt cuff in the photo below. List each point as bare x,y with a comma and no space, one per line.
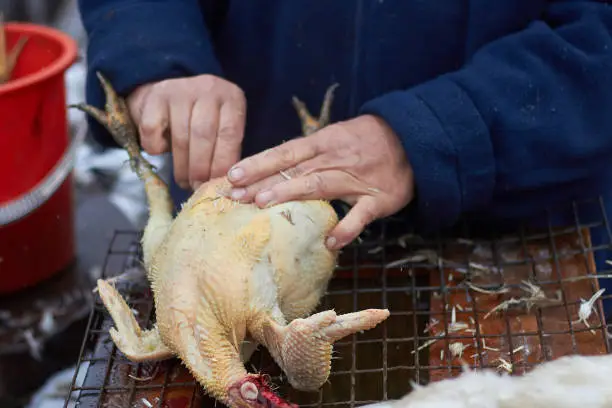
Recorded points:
142,42
448,146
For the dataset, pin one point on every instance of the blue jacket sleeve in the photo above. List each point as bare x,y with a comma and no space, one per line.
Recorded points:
525,123
140,41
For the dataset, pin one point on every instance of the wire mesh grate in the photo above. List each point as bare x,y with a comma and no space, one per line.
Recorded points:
507,302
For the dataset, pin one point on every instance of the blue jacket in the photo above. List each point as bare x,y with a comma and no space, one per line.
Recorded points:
504,107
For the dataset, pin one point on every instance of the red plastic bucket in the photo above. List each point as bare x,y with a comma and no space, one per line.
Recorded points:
36,195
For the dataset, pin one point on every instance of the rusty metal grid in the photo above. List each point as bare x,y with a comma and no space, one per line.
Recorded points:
386,269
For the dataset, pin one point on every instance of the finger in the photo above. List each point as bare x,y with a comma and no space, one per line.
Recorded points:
363,213
180,116
229,137
272,161
136,102
247,194
321,163
153,123
203,134
326,185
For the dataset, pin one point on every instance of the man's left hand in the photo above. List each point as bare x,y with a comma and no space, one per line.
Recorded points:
359,161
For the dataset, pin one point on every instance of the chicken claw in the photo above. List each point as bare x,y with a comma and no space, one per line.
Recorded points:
116,118
138,345
303,349
311,124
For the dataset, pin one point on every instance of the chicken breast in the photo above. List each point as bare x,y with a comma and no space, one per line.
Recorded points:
228,276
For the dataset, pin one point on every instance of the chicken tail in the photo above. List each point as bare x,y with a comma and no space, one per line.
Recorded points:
303,349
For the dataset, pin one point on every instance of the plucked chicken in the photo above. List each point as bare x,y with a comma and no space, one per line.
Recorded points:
229,276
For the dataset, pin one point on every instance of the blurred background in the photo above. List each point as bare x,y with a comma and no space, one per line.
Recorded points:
41,328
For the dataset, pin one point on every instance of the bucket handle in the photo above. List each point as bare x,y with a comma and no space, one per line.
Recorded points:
20,207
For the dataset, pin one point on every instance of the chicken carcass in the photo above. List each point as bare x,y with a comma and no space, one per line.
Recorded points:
227,276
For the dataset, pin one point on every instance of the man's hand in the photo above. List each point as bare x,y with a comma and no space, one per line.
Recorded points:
200,119
360,161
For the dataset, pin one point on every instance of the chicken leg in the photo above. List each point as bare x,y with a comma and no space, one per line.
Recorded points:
119,123
311,124
136,344
303,349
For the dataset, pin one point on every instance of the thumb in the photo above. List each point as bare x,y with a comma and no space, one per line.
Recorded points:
353,224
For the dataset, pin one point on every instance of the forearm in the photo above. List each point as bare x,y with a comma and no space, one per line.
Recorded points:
138,42
523,123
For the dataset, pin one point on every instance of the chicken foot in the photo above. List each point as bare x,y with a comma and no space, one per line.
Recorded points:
138,345
8,59
117,120
303,349
311,124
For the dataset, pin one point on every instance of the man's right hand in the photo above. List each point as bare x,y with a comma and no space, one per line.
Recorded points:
200,119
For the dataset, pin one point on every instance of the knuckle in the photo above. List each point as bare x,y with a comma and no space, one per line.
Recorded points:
209,83
236,92
162,88
136,99
314,183
293,172
148,128
228,132
367,215
201,130
180,142
251,192
151,124
284,155
221,88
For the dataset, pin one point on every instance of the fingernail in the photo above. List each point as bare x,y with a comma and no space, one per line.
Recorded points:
235,174
265,198
331,242
238,193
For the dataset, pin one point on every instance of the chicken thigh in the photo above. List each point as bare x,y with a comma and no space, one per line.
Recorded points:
227,276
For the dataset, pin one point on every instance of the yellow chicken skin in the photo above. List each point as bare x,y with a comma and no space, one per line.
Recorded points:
229,276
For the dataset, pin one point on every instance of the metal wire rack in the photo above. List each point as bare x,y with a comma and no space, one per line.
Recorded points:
506,302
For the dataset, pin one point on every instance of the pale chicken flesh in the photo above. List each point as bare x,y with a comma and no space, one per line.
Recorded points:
228,276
